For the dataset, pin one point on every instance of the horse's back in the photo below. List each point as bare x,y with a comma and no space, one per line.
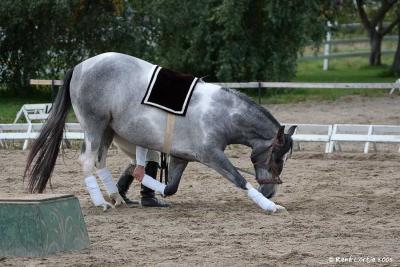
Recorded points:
110,81
110,67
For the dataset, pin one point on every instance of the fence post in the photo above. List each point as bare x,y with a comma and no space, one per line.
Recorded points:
327,47
259,93
53,91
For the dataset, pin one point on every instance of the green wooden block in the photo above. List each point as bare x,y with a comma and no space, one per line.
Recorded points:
40,225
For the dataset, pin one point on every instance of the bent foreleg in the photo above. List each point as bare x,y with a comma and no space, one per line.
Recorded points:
177,166
175,171
219,162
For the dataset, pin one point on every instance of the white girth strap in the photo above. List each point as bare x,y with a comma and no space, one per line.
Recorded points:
169,130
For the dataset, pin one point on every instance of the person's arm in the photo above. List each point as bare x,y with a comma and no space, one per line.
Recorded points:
139,171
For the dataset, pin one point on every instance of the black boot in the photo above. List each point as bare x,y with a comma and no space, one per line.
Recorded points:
148,197
124,183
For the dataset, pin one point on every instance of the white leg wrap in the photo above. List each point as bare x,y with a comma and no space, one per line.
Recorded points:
153,184
259,199
94,191
108,182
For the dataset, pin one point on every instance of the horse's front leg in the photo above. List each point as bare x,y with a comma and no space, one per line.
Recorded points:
176,168
175,171
219,162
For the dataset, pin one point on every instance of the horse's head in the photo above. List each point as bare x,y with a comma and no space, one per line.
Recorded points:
269,159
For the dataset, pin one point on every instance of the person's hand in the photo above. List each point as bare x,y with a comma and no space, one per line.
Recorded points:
138,172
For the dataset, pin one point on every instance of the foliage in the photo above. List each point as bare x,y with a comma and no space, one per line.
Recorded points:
234,40
24,37
45,37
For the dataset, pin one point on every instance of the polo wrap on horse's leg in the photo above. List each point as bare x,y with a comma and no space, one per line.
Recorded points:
153,184
111,186
259,199
108,182
94,191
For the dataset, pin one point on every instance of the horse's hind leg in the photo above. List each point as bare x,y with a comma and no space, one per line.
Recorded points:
98,138
89,152
102,170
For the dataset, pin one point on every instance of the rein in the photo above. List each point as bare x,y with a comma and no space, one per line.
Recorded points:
164,168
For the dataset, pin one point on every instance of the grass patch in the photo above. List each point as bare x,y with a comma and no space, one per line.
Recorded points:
10,105
344,70
351,70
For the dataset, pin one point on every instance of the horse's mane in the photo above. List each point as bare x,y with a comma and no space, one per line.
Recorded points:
250,101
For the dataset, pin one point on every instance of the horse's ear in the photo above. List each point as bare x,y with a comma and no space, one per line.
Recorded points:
280,136
291,130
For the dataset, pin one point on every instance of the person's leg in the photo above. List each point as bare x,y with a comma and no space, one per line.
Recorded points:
124,182
126,177
151,170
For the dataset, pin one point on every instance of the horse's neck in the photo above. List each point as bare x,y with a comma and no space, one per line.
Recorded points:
251,122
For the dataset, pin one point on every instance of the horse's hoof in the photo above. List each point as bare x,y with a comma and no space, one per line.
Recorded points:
117,199
281,209
106,206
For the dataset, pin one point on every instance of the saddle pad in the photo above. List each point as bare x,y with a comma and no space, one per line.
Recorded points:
170,91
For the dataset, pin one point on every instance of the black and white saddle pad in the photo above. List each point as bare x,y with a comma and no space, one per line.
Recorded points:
170,91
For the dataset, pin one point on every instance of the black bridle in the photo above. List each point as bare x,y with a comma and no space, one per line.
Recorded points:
271,163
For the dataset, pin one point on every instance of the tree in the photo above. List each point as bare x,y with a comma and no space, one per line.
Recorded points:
234,40
395,68
45,37
91,28
373,23
24,37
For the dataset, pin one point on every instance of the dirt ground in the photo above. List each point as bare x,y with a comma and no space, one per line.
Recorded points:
345,205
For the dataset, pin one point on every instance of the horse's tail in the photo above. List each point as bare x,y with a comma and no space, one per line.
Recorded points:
46,147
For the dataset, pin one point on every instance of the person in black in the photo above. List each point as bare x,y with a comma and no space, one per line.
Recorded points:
148,198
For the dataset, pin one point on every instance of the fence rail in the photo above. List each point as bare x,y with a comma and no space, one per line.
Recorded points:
306,85
346,54
293,85
360,40
278,85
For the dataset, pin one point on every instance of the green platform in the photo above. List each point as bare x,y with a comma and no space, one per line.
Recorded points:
40,225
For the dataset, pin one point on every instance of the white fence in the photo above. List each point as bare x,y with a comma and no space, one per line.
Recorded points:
327,54
28,131
332,135
294,85
297,85
32,113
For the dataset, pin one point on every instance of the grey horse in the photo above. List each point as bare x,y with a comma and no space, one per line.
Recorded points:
106,92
